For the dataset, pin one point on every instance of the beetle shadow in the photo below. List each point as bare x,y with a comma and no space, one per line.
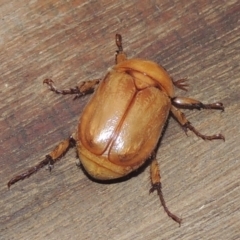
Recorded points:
131,174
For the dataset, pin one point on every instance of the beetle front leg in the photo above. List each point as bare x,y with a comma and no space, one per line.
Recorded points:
181,118
156,185
50,159
84,88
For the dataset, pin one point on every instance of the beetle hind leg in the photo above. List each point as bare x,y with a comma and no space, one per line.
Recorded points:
156,185
82,89
50,159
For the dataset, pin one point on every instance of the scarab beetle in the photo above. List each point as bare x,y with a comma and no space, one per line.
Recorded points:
121,125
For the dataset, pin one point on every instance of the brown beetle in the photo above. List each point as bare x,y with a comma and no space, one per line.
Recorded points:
122,123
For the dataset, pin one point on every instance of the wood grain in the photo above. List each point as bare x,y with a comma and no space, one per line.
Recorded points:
72,41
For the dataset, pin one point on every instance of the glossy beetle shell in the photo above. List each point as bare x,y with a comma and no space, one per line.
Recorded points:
121,125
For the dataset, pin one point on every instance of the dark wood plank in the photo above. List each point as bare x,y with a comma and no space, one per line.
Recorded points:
72,41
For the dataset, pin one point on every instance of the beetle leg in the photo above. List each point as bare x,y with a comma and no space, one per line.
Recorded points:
181,118
84,88
181,83
50,159
121,55
156,185
190,103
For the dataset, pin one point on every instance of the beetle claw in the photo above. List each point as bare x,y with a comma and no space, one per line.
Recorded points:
220,136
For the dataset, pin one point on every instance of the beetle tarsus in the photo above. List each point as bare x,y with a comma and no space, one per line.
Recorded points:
158,188
217,106
84,88
190,103
30,171
53,88
49,160
204,137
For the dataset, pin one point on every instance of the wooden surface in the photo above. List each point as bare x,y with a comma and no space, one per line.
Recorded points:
72,41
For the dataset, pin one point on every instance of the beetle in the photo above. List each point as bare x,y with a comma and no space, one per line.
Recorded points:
120,127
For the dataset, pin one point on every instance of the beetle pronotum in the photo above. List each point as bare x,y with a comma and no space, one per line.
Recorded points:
121,125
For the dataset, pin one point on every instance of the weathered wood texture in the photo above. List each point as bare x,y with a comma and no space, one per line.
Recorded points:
72,41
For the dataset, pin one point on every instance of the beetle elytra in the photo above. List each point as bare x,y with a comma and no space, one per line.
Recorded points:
120,127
